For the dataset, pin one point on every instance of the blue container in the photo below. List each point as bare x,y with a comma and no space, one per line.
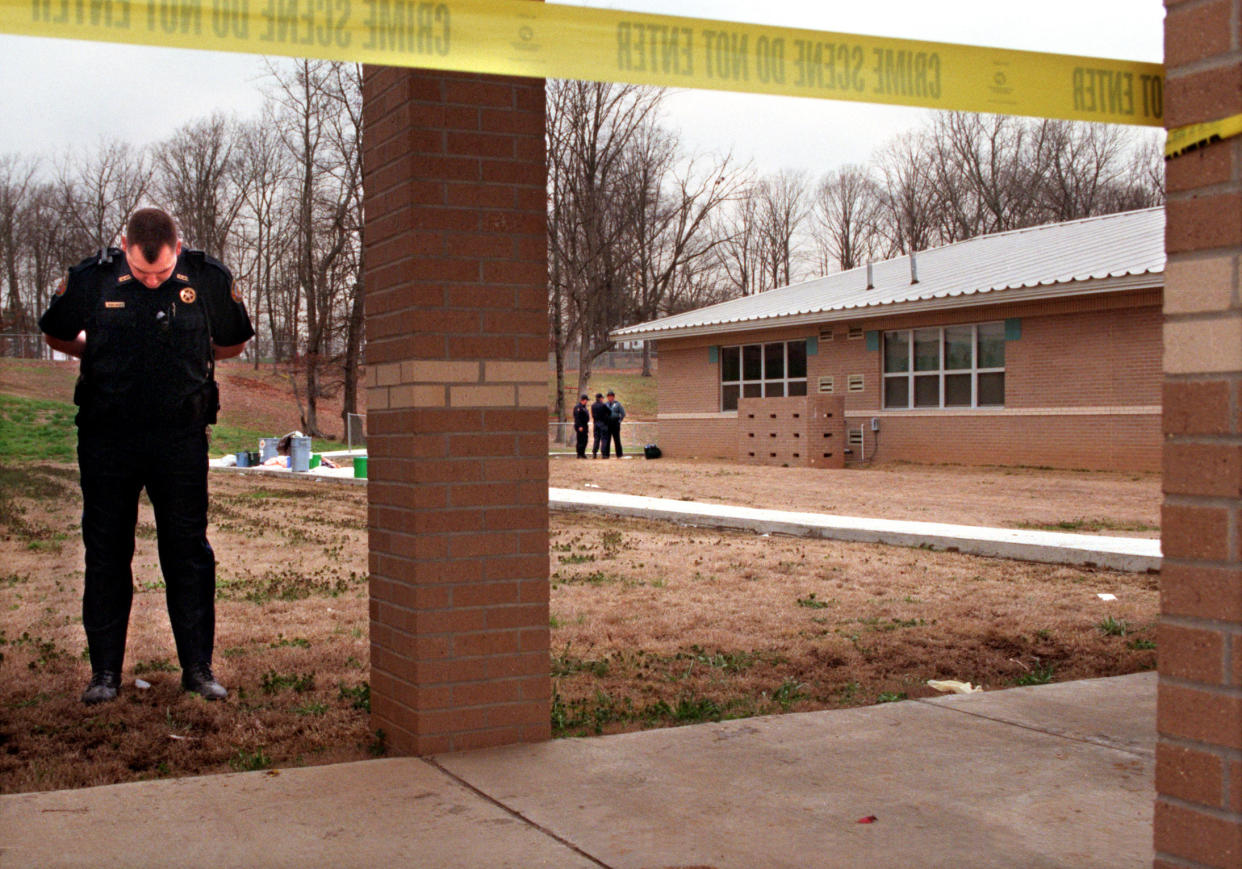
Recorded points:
243,460
299,454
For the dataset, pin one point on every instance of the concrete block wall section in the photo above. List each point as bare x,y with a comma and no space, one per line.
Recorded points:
457,381
806,431
1198,818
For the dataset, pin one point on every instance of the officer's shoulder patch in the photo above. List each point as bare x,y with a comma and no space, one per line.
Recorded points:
63,285
235,291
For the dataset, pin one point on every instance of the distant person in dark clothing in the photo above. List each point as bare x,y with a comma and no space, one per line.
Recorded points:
582,424
616,413
600,414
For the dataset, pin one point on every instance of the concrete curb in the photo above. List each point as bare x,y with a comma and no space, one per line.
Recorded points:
1133,554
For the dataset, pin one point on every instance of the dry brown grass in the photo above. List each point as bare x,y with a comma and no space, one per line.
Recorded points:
656,623
653,624
291,639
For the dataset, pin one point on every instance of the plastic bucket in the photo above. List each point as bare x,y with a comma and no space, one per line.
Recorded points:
360,467
267,448
299,454
243,460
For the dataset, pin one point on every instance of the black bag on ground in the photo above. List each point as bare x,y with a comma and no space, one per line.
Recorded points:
651,451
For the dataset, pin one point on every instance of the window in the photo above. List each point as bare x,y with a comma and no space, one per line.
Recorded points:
762,371
953,366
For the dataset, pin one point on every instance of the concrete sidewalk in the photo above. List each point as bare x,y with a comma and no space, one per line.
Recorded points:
1137,554
1049,776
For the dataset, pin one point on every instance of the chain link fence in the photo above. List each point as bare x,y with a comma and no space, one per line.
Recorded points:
24,345
634,436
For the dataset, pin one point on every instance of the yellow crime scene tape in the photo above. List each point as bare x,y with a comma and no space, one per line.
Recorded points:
517,37
1183,140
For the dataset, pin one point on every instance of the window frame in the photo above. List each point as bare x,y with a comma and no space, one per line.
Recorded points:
914,375
762,384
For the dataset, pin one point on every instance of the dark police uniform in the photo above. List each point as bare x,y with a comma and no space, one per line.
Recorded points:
582,426
600,414
145,394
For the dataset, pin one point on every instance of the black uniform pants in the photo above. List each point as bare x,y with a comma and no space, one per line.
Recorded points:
172,467
582,442
601,439
614,435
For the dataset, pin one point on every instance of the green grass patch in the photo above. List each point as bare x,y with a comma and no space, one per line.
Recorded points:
36,430
1088,526
1112,627
636,392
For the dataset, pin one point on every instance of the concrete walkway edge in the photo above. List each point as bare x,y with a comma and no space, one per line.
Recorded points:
1134,554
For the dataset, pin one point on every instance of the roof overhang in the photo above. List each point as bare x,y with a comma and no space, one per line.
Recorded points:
955,301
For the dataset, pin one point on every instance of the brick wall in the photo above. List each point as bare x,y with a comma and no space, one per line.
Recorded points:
457,382
1198,819
1083,388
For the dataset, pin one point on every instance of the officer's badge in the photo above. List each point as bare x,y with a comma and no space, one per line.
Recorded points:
235,292
188,295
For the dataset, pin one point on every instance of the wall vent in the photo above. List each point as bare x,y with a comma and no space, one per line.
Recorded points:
856,383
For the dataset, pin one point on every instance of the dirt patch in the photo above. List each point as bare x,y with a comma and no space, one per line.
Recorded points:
652,624
1089,502
291,640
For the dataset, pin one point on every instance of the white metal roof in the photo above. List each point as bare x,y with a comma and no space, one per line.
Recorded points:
1097,254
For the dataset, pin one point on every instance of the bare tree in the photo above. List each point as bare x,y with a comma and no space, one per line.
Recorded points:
668,207
845,213
17,187
264,241
199,178
984,169
317,130
907,205
592,127
1083,162
98,191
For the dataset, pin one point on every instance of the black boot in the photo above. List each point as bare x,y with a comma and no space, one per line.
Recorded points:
103,687
197,678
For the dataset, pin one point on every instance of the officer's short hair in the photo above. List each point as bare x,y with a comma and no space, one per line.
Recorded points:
150,229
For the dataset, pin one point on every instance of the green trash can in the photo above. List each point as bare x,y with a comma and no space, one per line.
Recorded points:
360,467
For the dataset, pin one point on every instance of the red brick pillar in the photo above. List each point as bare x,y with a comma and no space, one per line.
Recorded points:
1198,820
457,344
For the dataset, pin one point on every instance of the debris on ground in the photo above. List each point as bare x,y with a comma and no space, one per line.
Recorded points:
953,686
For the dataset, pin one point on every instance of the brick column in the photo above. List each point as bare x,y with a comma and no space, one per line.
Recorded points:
457,342
1198,819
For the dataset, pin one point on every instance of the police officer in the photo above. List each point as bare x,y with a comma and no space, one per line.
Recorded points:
582,423
600,415
148,322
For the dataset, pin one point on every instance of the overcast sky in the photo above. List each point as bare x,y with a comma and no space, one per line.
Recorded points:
60,94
